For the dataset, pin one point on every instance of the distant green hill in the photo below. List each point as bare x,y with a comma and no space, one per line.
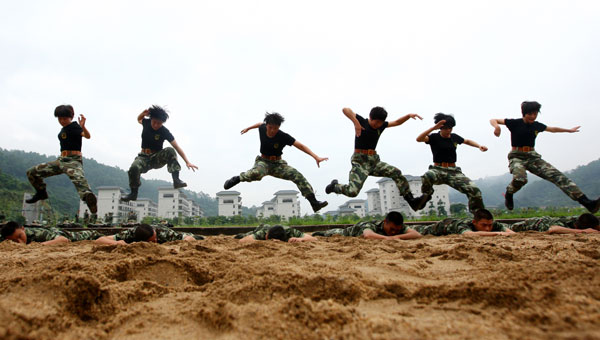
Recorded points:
537,192
63,196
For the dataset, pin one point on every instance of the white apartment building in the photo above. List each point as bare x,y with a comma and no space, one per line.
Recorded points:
145,207
284,204
267,209
392,201
354,206
110,207
173,203
230,203
373,202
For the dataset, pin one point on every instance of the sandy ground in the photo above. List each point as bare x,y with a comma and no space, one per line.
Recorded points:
531,285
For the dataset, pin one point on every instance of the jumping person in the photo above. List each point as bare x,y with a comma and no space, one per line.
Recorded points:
70,161
153,156
365,160
272,142
523,157
444,170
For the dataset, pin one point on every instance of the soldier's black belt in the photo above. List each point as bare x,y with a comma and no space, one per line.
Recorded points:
523,148
271,158
445,165
365,151
67,153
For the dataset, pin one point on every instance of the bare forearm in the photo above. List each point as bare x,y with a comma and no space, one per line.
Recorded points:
472,143
409,235
85,133
350,114
423,136
141,116
106,240
60,239
305,149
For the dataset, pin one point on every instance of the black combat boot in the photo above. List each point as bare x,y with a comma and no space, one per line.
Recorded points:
316,205
132,195
412,202
39,195
508,201
91,201
422,201
331,186
590,205
177,183
230,183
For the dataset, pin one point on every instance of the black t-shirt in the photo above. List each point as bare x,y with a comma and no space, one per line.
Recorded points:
523,134
368,137
444,149
273,146
70,137
153,139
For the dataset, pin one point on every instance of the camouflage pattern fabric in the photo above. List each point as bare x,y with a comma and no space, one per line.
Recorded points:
358,229
71,166
84,235
532,161
452,226
144,163
260,232
279,169
544,223
364,166
453,177
163,234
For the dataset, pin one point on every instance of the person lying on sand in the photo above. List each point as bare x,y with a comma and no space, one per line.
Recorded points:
277,232
18,233
392,228
148,233
482,224
586,223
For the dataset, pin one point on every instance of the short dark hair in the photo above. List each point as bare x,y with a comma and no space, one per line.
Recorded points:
450,122
395,217
64,111
278,233
159,113
378,113
143,232
530,107
9,229
274,118
483,214
587,220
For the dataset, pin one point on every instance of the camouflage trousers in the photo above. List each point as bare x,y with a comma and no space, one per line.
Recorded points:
520,162
454,178
85,235
71,166
364,166
144,163
330,232
279,169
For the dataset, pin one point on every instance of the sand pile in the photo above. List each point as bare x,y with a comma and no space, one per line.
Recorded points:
525,286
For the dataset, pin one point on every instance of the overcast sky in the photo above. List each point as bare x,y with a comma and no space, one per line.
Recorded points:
217,66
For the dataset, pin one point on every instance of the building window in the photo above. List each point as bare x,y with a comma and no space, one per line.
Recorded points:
227,201
167,195
287,200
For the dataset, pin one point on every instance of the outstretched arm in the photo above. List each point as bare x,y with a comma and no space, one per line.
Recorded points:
305,148
557,129
57,240
109,240
475,145
85,133
410,234
562,230
403,119
141,116
251,127
305,238
182,154
424,137
496,124
352,116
